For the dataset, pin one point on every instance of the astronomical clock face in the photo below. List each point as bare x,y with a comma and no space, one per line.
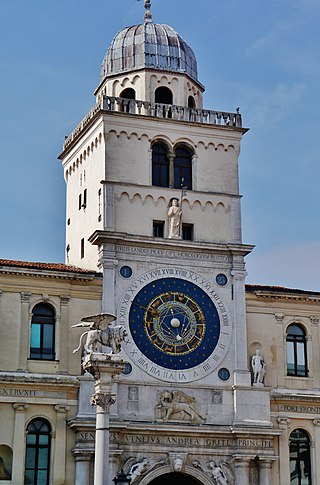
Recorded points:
178,325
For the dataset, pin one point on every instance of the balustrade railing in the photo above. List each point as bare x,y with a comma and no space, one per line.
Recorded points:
158,110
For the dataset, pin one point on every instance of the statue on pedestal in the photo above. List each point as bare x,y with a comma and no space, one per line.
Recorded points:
101,333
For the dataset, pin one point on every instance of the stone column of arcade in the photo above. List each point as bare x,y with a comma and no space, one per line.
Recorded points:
265,467
104,368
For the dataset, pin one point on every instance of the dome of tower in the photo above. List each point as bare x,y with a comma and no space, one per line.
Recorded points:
149,46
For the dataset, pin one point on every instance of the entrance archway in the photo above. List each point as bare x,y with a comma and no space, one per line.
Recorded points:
175,479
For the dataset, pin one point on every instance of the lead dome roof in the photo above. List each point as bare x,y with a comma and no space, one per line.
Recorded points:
151,46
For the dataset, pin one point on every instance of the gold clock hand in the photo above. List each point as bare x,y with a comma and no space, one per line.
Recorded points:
151,310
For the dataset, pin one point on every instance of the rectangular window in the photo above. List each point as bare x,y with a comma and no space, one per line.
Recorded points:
99,205
84,205
158,228
187,232
82,249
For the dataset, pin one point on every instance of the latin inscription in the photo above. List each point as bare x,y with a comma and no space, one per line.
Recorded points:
18,392
174,254
181,441
300,409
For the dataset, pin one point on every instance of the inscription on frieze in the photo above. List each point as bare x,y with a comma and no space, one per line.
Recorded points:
18,392
175,254
288,408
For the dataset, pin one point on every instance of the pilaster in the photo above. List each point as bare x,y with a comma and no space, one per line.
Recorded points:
316,454
242,374
23,331
284,455
82,469
59,472
265,469
64,334
19,443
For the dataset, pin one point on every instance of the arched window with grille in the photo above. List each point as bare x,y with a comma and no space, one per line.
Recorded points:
300,459
37,463
42,341
183,168
160,165
296,344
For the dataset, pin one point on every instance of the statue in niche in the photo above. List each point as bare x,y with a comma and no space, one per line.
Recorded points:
174,215
4,475
258,368
101,333
177,405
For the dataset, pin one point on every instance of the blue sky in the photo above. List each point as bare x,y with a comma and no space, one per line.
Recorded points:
261,56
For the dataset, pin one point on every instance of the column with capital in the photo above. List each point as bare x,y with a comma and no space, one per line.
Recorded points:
19,443
59,471
284,455
104,369
241,469
23,329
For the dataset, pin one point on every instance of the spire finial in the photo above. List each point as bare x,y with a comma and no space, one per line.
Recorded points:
148,14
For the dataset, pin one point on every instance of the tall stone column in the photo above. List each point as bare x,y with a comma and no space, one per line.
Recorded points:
82,469
265,468
241,467
104,369
24,338
19,443
59,472
284,455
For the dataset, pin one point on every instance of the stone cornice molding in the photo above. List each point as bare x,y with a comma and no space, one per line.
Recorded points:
48,274
274,295
39,379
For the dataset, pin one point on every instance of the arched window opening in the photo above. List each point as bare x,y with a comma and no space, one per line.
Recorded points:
163,95
37,464
127,95
300,460
296,344
191,102
175,479
160,165
183,168
42,332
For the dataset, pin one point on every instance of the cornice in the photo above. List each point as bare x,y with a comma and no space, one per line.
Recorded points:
100,237
61,275
42,380
287,294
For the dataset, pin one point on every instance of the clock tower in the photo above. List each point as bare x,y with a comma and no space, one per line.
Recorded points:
153,202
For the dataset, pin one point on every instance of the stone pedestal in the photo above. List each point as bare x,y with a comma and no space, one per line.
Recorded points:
104,368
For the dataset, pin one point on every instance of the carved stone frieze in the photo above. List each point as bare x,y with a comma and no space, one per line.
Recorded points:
25,297
314,319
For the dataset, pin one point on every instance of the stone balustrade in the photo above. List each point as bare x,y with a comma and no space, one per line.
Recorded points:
157,110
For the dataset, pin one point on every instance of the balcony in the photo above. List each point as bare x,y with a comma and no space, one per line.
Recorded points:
157,110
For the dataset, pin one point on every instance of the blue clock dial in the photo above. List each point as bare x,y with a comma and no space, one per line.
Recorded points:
174,323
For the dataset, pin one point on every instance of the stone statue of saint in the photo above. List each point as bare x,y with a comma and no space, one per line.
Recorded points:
174,215
258,368
4,475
